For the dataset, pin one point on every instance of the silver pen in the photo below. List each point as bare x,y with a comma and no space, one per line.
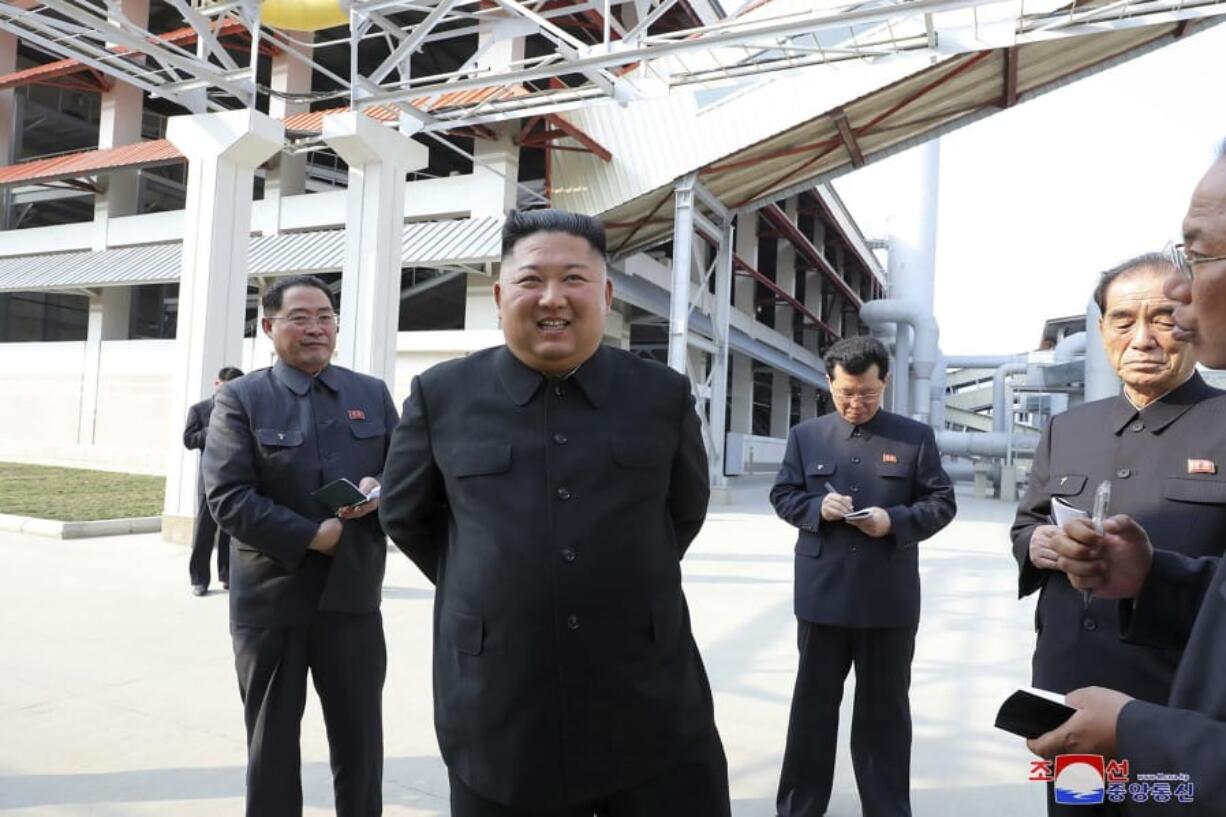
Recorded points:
1102,503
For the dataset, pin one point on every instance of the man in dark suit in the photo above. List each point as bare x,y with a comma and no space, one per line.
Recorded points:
857,596
305,583
1170,599
549,488
194,435
1153,442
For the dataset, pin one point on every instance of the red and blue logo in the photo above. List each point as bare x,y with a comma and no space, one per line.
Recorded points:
1080,780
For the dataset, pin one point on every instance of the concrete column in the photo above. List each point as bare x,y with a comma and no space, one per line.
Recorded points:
378,158
718,404
496,171
223,150
785,276
262,352
479,309
109,314
744,288
286,174
120,124
10,124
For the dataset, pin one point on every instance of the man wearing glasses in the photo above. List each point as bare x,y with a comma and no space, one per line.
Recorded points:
1160,445
305,582
1169,599
864,486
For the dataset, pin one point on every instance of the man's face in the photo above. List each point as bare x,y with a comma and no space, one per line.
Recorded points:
553,296
857,397
303,330
1138,330
1201,316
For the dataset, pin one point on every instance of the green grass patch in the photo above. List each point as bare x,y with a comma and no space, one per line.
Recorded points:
77,495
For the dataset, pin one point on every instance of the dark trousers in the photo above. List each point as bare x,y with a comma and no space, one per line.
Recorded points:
347,658
697,787
202,548
880,726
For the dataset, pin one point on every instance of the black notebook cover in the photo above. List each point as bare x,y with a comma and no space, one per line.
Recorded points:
1029,715
340,493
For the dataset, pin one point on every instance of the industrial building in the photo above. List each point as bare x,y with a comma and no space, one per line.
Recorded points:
161,162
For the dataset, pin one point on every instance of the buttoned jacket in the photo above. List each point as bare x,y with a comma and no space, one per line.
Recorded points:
275,436
843,576
553,515
1149,456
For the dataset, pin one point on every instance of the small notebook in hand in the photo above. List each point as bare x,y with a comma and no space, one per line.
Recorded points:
1029,714
863,513
340,493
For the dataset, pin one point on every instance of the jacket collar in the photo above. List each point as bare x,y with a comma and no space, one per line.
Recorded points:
1164,411
522,382
299,382
867,430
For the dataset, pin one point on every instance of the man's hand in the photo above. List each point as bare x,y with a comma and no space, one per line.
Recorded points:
1042,552
1113,564
876,524
367,485
1091,729
835,506
327,537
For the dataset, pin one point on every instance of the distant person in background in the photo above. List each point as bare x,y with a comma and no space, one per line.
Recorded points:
1153,442
206,532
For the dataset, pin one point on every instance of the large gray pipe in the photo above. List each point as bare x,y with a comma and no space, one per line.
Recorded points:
1002,395
985,444
924,348
1070,347
981,361
1101,380
901,381
939,383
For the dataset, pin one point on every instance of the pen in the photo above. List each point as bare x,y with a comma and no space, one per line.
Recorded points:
1102,500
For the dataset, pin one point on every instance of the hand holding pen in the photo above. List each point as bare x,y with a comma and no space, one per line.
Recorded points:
835,505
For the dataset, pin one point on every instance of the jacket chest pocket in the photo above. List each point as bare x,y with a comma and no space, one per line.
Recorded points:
818,474
278,446
479,459
1066,484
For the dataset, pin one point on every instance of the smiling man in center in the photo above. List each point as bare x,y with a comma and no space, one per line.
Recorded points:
549,488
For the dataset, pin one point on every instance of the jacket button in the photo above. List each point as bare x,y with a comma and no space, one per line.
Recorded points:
855,489
1089,625
564,494
568,554
559,391
855,460
1138,426
572,622
560,439
1123,473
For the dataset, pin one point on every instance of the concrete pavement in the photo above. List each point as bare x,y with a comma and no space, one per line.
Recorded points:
118,697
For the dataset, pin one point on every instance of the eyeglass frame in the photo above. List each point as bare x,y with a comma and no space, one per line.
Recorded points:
1178,255
306,321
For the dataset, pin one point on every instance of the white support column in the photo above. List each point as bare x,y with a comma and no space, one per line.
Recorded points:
496,170
378,158
10,127
721,313
120,124
480,311
262,352
683,253
286,174
223,150
745,291
109,314
785,277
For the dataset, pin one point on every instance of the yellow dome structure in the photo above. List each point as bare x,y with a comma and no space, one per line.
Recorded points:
304,15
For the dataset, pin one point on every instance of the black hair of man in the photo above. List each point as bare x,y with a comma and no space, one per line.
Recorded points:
522,223
276,293
1150,260
229,373
856,355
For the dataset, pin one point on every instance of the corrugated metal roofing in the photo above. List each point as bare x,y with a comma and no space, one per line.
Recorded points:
425,244
76,165
764,145
312,121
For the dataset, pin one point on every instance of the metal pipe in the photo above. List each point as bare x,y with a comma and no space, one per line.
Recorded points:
937,396
1002,396
981,361
1101,379
1070,347
924,348
985,443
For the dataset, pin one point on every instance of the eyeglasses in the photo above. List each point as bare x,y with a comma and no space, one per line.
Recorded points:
324,320
863,396
1186,264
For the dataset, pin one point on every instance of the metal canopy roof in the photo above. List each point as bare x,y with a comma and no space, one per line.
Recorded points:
458,243
633,194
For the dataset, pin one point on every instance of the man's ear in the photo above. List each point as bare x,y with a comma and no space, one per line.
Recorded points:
497,294
266,326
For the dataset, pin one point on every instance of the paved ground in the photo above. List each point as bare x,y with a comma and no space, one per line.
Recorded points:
117,690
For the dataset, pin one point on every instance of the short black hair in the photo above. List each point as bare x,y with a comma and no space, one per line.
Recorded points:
856,355
522,223
229,373
1150,260
275,293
